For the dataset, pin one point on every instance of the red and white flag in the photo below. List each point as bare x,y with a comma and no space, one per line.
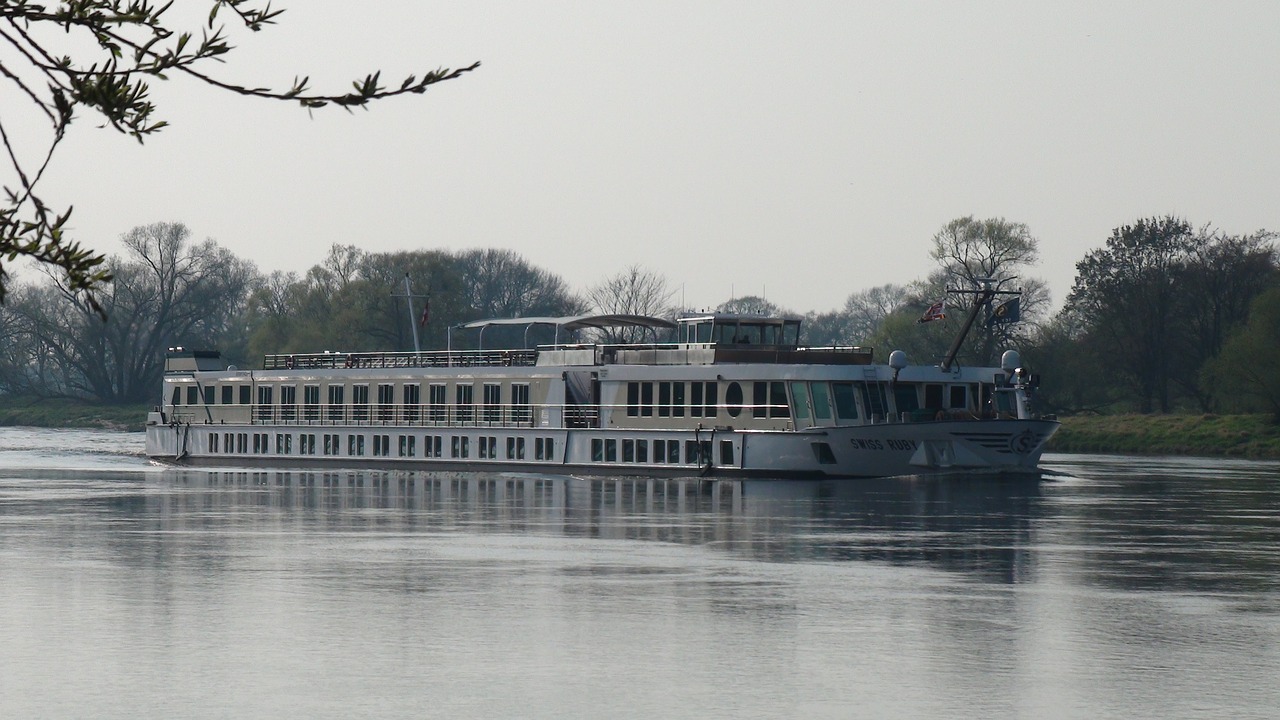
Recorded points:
935,312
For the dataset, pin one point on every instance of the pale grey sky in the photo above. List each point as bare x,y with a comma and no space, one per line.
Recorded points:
801,149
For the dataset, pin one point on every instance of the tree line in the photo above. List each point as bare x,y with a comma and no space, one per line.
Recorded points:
1165,317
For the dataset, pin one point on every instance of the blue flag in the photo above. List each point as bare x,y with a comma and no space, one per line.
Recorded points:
1009,311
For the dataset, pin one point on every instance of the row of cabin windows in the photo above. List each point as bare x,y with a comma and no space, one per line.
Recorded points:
701,399
696,452
816,401
491,409
406,446
464,394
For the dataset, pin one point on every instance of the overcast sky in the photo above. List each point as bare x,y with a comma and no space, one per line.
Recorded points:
803,150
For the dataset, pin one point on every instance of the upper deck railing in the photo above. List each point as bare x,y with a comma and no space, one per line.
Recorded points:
576,354
434,358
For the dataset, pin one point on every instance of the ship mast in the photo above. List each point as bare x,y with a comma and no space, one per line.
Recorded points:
413,319
981,297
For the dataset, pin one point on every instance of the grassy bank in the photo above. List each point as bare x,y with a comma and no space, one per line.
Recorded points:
1248,436
62,413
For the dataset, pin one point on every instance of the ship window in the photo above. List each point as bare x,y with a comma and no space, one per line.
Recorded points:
959,397
208,395
642,451
778,406
597,450
521,412
628,451
695,400
673,451
544,449
464,396
726,452
821,401
336,410
633,399
265,411
712,398
359,402
846,406
245,393
307,444
677,399
288,401
228,394
492,402
213,442
759,399
611,450
646,399
328,445
733,399
436,399
664,399
906,397
412,401
932,396
800,396
177,396
386,401
192,394
455,447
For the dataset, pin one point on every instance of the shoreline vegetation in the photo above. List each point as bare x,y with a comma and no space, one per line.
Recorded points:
1207,435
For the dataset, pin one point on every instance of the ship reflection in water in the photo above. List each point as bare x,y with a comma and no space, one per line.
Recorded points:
979,525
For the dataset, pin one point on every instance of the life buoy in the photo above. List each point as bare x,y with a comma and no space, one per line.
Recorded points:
351,360
288,363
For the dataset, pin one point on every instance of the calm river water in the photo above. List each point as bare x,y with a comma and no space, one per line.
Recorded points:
1133,587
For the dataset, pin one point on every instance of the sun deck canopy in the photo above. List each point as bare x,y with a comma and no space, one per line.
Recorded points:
578,322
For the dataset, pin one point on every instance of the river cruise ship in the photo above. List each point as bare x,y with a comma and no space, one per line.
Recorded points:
723,395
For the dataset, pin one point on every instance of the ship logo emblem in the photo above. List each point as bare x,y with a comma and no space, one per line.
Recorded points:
1023,443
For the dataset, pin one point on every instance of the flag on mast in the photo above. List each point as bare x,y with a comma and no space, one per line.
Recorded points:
426,313
1009,311
935,311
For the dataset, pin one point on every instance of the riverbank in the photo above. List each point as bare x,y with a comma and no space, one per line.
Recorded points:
65,413
1247,436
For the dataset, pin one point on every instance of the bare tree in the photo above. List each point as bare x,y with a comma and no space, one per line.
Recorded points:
634,291
168,291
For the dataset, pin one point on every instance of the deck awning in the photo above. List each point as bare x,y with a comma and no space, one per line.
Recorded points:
571,322
578,322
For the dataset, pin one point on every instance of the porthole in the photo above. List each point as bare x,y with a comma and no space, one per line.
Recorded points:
733,399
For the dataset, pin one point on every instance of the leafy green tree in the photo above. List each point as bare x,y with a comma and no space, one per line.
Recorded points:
99,56
1217,282
1124,293
1246,374
1157,302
